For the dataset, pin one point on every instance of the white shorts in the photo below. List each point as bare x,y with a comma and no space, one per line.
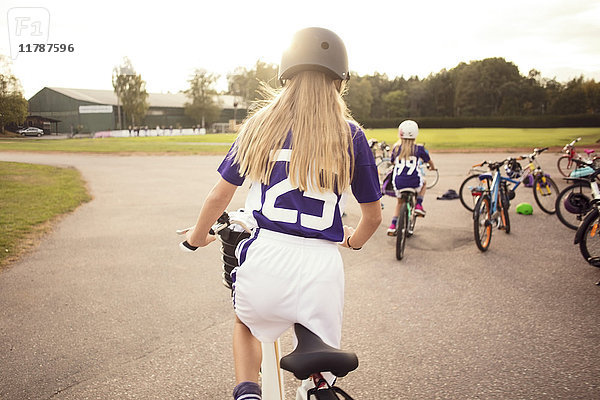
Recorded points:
284,279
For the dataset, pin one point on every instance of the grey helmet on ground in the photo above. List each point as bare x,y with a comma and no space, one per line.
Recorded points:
315,49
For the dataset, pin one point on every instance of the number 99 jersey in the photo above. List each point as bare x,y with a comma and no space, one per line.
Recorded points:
407,173
282,208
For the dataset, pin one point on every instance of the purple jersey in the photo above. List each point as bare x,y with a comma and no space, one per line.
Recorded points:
280,207
407,173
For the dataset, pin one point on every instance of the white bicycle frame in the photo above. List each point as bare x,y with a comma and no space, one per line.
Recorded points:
272,381
272,375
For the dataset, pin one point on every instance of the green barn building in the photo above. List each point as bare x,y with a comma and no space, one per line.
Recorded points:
91,110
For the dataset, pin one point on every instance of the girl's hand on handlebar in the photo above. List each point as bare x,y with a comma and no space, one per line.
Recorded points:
199,242
190,244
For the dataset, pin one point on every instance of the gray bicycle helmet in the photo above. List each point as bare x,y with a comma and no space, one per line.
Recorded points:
315,49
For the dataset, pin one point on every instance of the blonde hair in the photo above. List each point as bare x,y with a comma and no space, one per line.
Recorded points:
407,150
311,107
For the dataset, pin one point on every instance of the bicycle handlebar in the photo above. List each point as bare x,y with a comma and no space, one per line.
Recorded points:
571,145
222,222
536,152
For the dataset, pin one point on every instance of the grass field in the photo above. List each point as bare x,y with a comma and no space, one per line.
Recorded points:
205,144
488,138
30,196
467,139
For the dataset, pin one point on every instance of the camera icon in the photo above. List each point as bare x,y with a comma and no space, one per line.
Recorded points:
27,25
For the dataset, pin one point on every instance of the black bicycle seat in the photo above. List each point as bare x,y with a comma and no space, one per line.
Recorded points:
312,355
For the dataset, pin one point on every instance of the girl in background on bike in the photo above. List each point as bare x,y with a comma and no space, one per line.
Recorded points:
301,152
406,156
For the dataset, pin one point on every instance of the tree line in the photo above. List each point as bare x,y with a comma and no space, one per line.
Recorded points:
492,87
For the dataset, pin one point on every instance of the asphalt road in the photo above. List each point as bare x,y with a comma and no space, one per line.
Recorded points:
107,307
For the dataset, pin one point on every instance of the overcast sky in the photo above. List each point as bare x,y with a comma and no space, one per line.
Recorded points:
167,42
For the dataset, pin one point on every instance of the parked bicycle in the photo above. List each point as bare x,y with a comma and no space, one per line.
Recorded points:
491,209
545,189
566,163
382,153
575,201
311,355
472,187
588,233
407,220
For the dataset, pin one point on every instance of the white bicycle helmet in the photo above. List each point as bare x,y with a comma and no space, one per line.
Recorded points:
315,49
408,129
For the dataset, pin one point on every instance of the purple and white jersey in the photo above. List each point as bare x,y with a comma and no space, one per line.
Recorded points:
407,172
280,207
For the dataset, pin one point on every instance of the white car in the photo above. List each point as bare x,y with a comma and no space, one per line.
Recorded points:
31,131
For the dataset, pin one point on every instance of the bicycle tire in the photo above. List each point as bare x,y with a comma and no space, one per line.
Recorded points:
569,219
505,205
545,192
467,199
564,165
589,245
412,222
436,177
482,226
401,232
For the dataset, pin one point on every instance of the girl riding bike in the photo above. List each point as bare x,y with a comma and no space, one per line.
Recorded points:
301,152
407,174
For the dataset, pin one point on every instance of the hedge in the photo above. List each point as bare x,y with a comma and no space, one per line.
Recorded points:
538,121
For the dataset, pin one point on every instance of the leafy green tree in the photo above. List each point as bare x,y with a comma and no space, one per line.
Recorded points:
202,107
440,91
359,98
380,86
591,89
510,94
245,83
396,104
131,92
13,106
466,84
478,85
571,99
533,94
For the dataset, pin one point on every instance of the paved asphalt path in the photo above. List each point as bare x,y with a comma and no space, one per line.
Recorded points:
107,307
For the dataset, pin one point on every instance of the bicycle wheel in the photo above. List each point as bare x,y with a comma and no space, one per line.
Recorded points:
402,231
471,189
565,165
573,203
505,207
482,225
589,245
433,176
545,192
